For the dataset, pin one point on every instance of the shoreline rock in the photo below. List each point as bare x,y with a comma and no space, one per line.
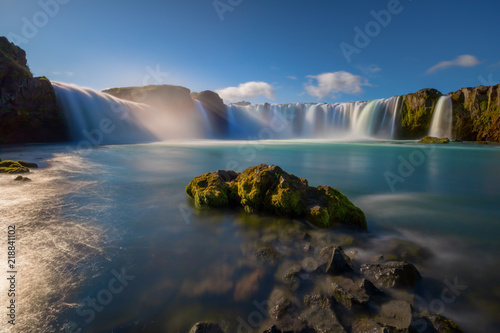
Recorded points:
15,167
270,190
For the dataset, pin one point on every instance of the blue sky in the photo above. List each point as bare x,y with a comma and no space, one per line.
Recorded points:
267,51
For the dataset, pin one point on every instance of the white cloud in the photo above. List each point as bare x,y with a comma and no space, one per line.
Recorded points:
333,83
63,73
292,77
247,90
465,60
372,69
495,65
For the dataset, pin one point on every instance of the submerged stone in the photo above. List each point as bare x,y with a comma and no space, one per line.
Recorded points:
319,314
337,262
427,322
270,190
432,139
394,274
206,327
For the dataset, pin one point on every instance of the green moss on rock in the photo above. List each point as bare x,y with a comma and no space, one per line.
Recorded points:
416,113
13,167
433,139
268,189
212,189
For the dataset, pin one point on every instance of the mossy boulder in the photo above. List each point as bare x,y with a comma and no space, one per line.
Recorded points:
213,189
433,139
339,209
16,166
270,190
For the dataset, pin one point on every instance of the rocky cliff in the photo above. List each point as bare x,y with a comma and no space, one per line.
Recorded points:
476,113
171,98
28,110
416,113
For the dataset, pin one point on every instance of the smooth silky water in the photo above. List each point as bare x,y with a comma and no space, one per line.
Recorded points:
89,215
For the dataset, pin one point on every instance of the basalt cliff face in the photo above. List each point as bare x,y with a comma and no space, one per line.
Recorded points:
416,113
476,113
28,110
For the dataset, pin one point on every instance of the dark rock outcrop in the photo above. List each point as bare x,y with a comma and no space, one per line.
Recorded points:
393,274
269,189
416,113
336,260
476,113
28,110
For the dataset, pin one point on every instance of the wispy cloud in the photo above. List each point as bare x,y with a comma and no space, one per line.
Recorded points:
291,77
495,65
372,69
465,60
246,90
63,73
334,83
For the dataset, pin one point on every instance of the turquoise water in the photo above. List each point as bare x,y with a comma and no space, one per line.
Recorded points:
89,215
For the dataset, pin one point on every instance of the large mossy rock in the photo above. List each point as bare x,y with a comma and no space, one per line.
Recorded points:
28,109
270,190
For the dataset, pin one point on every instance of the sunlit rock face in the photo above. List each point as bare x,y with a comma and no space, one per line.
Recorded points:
168,98
28,110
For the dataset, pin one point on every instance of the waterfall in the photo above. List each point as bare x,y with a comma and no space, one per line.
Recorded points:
208,129
442,119
97,118
100,118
